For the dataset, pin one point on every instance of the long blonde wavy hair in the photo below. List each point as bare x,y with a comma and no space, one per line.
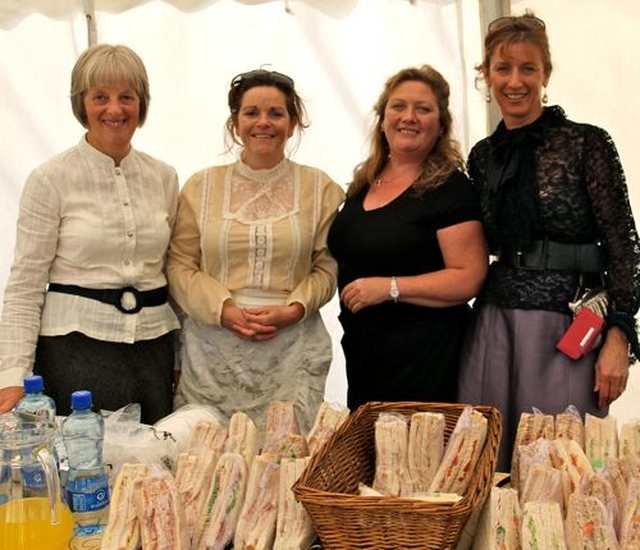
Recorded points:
443,159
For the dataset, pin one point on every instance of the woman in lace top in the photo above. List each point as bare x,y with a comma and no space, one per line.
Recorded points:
249,264
557,216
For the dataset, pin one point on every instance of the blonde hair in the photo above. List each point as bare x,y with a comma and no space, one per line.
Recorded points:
442,160
103,65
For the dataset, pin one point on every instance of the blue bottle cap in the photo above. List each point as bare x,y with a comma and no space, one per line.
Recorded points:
33,384
81,400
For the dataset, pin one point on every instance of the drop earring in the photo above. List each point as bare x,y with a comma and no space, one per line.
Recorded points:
545,97
487,95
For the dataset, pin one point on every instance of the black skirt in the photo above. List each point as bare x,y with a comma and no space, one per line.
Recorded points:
117,374
402,357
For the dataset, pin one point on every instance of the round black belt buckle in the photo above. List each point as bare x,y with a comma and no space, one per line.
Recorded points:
130,300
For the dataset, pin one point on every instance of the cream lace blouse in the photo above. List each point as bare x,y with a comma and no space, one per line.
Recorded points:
257,236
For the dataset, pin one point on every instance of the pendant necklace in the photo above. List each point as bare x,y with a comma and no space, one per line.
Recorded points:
379,181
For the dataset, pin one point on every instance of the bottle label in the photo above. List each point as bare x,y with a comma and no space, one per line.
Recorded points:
41,414
34,478
88,494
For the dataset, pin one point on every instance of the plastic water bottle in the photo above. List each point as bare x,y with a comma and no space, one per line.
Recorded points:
35,405
87,485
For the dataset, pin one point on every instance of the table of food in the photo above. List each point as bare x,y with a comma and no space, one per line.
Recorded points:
387,476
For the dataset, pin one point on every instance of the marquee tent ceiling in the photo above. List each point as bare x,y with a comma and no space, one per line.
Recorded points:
339,52
13,11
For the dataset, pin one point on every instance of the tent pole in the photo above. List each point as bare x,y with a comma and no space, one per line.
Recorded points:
490,10
90,17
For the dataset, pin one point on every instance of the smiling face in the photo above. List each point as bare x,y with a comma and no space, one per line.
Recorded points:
113,114
411,120
516,77
264,125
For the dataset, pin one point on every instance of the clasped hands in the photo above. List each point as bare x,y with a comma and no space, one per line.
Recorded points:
260,323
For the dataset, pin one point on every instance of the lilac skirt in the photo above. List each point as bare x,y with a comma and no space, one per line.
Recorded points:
510,361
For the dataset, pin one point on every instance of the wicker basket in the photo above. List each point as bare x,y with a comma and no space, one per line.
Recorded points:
328,488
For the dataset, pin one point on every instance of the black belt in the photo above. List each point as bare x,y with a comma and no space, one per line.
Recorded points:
545,254
127,299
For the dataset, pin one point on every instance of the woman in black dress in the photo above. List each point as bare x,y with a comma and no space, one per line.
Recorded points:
410,249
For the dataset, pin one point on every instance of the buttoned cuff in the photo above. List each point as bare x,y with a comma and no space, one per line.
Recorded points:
13,376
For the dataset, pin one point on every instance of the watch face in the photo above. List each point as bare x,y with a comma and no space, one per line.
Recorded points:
393,291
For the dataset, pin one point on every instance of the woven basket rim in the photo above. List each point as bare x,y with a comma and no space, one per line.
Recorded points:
459,511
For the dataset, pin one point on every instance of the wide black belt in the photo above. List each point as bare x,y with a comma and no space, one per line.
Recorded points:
545,254
127,299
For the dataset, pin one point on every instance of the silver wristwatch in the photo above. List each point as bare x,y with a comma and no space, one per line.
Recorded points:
393,291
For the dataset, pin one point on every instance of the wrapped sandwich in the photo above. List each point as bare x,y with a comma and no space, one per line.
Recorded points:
542,527
536,453
629,444
461,454
194,472
328,419
568,457
242,437
160,513
426,447
596,485
544,483
123,528
294,529
613,474
589,524
531,426
630,522
281,421
256,528
208,434
391,469
600,439
499,522
569,425
217,525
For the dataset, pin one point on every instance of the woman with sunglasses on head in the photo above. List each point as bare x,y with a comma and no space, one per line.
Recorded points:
86,301
557,216
249,263
410,249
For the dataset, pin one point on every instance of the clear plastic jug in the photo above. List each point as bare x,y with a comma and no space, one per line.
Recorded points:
33,515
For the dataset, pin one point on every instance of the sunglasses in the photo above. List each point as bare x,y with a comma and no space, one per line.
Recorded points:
520,22
262,74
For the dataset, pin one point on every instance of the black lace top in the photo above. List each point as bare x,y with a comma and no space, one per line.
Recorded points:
560,180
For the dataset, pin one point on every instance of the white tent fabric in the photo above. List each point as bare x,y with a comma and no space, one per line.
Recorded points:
13,11
338,51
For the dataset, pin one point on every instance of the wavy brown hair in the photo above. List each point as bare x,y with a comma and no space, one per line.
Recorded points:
243,82
508,30
442,160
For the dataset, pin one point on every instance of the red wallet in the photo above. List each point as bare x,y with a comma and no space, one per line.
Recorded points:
581,334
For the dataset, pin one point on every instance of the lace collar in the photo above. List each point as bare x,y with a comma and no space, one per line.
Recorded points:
264,175
261,196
